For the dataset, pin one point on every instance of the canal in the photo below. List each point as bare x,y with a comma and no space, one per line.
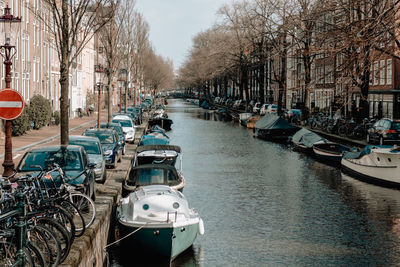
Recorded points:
264,204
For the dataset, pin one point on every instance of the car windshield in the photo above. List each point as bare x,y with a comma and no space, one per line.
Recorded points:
67,159
396,126
116,128
90,147
124,123
104,137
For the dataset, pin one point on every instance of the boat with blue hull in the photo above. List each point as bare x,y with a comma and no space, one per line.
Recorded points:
157,221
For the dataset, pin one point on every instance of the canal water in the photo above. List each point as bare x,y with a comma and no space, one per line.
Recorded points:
264,204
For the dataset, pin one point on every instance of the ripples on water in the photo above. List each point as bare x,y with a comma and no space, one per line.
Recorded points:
265,205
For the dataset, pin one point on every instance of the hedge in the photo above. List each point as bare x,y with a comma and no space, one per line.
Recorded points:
39,111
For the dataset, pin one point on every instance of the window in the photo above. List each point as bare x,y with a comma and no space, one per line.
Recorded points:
389,71
382,72
376,72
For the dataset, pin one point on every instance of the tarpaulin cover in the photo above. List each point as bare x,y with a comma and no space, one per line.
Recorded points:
307,138
272,121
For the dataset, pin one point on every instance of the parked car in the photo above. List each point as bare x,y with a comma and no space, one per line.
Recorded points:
73,160
109,141
384,131
118,128
257,107
293,115
263,109
272,109
94,153
127,126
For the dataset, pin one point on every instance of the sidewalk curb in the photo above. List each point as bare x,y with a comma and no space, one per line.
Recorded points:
52,138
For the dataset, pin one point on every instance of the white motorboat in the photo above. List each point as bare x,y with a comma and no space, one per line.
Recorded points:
157,221
376,164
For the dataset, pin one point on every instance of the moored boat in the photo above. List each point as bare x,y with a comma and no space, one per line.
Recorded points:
252,121
274,128
161,221
243,118
376,164
154,139
304,139
330,151
163,122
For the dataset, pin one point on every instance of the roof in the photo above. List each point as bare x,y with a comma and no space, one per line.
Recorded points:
84,137
154,166
158,147
121,117
55,148
272,121
112,124
100,130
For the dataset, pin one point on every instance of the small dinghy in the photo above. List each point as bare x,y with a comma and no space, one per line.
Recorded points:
330,151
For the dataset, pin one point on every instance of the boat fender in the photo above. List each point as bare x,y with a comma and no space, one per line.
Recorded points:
201,227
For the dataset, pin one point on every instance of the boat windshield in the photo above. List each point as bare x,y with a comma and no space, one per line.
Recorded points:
151,176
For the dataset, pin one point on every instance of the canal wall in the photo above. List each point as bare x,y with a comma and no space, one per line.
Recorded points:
89,250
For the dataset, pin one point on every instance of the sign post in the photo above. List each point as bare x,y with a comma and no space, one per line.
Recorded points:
11,107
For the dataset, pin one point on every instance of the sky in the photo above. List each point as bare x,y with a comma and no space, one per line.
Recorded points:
173,24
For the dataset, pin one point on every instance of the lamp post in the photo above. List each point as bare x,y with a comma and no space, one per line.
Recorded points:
7,52
99,74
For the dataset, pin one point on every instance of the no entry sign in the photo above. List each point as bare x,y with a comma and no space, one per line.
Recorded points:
11,104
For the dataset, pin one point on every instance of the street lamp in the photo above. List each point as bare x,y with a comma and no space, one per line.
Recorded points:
7,52
99,78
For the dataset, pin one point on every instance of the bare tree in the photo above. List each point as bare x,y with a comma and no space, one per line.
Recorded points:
72,24
109,36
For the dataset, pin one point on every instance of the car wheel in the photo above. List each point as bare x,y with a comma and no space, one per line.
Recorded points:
381,141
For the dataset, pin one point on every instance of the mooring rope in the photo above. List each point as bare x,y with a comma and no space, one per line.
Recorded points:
131,233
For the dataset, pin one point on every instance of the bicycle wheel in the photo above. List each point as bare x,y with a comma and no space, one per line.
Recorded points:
36,254
64,217
8,255
48,243
85,205
77,217
61,233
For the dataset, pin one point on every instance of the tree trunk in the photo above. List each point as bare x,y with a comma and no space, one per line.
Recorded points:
109,104
64,103
261,82
64,77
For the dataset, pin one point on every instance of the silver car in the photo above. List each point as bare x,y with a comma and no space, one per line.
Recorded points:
94,152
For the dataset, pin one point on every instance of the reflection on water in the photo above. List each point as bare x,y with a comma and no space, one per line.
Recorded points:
264,204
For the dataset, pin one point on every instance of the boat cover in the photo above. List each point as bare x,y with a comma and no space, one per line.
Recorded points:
307,138
272,121
365,151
